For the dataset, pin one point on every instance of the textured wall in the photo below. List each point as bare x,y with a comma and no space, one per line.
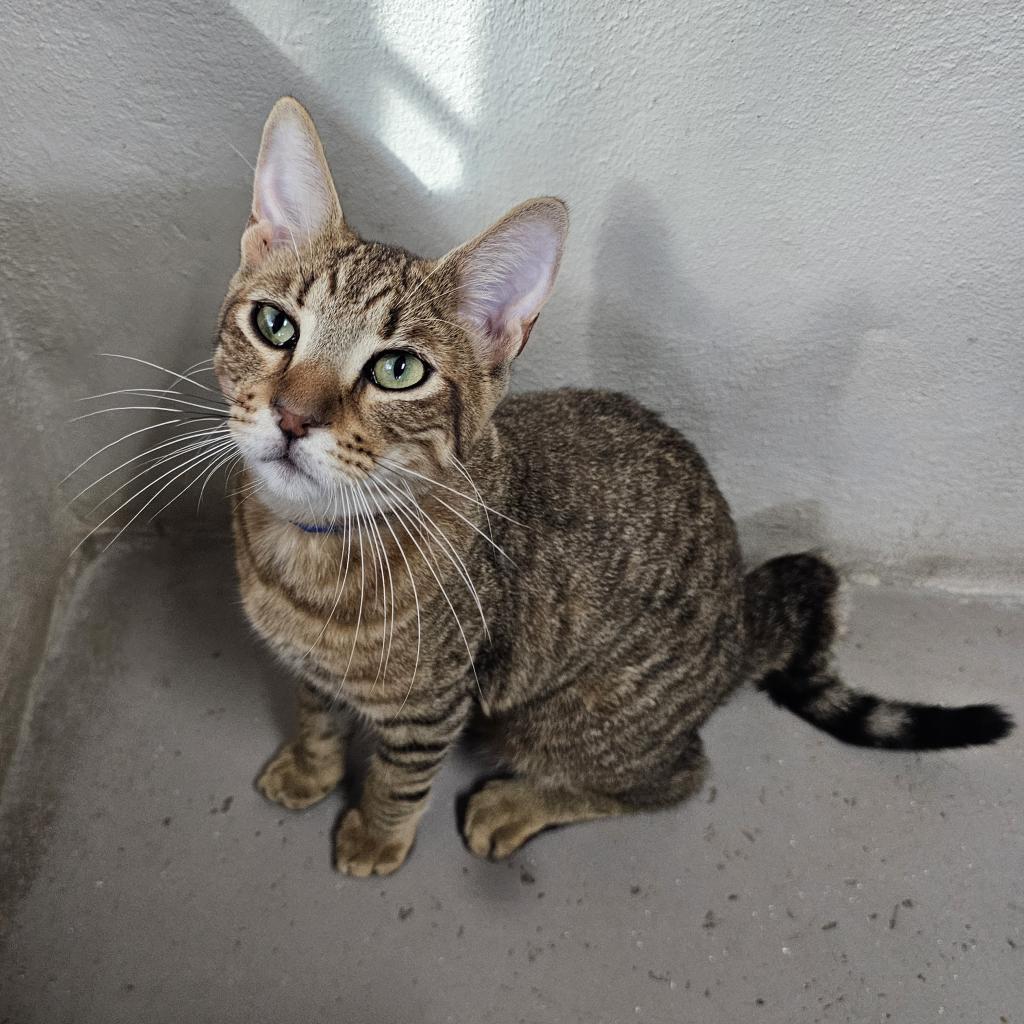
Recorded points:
796,228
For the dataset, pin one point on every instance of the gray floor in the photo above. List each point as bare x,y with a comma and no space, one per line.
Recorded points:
145,880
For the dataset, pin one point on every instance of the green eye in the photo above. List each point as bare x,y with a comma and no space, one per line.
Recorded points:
397,370
275,327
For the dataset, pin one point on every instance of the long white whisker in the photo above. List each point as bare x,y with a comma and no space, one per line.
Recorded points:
362,587
460,466
339,583
160,394
189,445
223,458
371,543
474,527
162,369
132,497
385,565
405,519
203,366
219,415
123,437
397,468
231,457
446,546
196,460
415,593
177,439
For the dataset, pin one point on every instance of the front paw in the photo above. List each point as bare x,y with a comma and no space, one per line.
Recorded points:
362,852
296,781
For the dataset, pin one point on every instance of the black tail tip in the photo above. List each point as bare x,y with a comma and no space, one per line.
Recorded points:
971,726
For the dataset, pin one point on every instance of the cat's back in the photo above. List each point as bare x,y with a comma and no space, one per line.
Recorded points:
605,450
622,544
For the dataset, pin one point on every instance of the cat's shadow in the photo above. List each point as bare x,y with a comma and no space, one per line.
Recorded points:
646,318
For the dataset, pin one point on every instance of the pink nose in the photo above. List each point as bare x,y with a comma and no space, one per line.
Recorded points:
294,423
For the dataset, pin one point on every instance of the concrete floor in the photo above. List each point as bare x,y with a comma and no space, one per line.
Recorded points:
145,880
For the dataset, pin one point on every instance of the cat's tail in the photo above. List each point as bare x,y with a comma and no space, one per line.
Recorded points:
793,615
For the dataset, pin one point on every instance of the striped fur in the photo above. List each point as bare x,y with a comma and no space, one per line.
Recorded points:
793,618
557,570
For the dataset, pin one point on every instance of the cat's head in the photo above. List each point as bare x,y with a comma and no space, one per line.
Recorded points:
344,358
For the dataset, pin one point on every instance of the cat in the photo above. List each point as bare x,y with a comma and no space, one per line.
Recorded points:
557,570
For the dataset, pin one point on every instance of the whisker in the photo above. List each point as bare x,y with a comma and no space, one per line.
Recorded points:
339,583
460,466
203,366
385,565
362,587
217,414
397,468
178,438
404,519
415,593
157,393
220,461
475,528
188,445
162,369
200,459
230,458
189,463
447,547
160,397
155,463
123,437
371,545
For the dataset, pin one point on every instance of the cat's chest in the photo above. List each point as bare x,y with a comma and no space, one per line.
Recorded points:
342,623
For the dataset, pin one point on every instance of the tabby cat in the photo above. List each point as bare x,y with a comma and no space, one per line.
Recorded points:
557,570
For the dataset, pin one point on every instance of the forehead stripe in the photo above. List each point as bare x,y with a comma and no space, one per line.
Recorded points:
307,283
340,255
391,324
376,297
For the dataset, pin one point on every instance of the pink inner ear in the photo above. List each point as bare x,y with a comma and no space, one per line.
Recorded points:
506,279
293,192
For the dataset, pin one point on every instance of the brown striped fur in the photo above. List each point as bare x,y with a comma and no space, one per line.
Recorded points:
604,558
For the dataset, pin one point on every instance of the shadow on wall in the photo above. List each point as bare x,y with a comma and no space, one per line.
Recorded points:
142,271
653,334
122,209
643,300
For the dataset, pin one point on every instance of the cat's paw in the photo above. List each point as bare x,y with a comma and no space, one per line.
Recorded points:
297,782
502,816
362,852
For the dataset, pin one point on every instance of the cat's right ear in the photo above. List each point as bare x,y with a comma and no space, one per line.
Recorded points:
293,197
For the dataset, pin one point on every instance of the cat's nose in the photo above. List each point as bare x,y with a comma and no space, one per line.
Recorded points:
293,422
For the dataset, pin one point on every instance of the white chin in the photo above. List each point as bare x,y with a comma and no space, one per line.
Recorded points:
291,493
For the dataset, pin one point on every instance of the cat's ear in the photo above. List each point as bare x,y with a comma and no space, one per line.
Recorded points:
503,277
293,197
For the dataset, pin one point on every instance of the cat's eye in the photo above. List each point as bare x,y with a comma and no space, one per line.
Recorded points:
276,327
397,371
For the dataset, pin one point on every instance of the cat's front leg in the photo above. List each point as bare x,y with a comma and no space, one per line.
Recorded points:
311,765
376,836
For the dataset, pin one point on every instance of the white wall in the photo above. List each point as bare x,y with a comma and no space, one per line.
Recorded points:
796,228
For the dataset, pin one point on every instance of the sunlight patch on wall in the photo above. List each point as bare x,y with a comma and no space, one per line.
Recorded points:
440,46
419,142
406,72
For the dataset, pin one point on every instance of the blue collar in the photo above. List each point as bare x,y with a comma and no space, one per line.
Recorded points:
330,528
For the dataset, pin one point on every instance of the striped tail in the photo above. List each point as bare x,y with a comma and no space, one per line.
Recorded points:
792,621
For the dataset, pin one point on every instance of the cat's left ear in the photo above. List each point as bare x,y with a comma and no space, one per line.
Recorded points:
293,196
503,277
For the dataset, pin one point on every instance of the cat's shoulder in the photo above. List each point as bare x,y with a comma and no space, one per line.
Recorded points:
574,405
